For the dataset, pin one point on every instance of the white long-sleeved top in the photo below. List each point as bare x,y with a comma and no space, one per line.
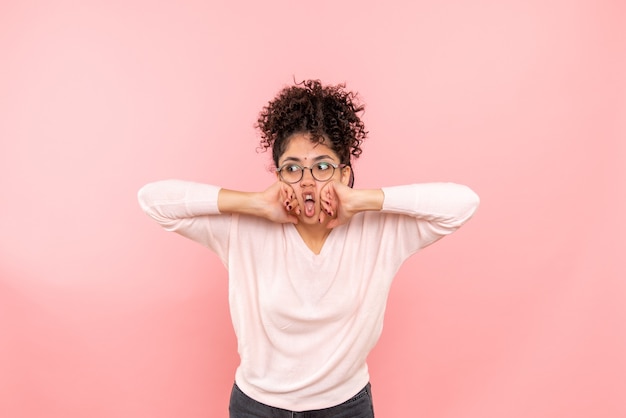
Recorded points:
306,322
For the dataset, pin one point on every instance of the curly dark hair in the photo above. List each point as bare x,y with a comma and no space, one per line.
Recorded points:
328,113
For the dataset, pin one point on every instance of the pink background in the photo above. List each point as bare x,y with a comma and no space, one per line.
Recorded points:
520,314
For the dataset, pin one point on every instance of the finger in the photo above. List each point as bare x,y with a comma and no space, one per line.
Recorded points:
294,206
329,206
331,197
291,212
288,199
334,221
325,206
328,191
322,217
286,196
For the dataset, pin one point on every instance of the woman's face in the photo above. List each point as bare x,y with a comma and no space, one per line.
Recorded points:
303,152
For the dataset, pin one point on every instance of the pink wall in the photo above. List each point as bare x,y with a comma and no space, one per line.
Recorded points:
520,314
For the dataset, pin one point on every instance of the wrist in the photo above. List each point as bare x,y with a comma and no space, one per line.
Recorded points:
367,199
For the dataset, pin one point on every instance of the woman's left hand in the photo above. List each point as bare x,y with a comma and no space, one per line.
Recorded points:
335,204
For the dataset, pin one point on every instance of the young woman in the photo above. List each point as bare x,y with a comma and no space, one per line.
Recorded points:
310,258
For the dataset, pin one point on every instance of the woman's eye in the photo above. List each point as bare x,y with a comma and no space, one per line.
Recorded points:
323,166
293,168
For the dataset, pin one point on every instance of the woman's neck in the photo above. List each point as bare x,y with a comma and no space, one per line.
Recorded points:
314,236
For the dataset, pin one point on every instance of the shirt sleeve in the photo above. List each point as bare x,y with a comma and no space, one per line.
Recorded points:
189,209
430,211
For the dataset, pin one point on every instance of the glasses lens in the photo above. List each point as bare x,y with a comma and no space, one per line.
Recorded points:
291,173
323,171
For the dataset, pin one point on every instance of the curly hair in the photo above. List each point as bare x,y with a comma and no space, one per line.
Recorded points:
329,113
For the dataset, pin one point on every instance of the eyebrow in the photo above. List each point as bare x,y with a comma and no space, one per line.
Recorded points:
298,160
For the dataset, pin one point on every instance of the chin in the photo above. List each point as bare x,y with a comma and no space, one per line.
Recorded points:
309,221
313,220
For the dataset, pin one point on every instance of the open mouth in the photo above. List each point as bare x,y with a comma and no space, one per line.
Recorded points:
309,204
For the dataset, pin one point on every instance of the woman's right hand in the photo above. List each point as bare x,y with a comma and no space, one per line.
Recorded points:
277,203
280,203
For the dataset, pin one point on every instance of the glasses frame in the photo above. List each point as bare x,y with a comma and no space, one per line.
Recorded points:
333,165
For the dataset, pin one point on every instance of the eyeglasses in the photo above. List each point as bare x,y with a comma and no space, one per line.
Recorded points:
322,171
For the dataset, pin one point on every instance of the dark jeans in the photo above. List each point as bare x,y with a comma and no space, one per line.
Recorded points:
359,406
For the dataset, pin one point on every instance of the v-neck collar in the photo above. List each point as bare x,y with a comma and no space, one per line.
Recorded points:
295,237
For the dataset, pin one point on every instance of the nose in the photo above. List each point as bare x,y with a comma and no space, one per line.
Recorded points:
307,176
